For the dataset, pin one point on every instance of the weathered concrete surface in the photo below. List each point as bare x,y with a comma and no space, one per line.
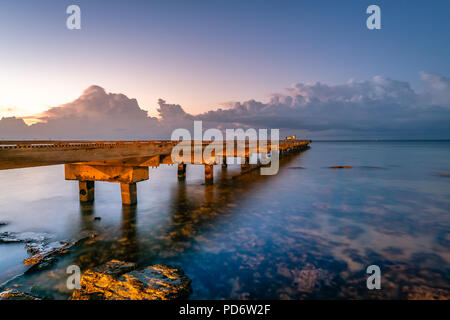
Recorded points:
86,190
209,174
128,192
12,294
118,174
22,154
181,173
117,280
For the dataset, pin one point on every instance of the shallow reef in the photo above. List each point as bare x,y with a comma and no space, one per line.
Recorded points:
118,280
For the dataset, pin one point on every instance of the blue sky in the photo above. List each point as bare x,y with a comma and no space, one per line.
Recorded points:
200,54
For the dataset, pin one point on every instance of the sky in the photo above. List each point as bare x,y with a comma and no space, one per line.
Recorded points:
200,56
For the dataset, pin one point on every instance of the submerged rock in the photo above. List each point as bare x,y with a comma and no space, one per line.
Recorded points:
24,237
309,279
117,280
423,292
340,167
13,294
45,254
443,174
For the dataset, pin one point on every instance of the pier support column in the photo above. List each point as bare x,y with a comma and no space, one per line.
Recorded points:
87,189
224,162
129,193
258,162
86,175
246,163
181,171
209,174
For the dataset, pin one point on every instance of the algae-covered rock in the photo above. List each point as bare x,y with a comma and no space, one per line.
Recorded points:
117,280
423,292
46,254
13,294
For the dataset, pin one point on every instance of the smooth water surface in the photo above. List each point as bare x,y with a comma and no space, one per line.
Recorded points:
308,232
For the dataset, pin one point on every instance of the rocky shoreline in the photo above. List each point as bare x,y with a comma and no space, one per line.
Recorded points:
43,251
13,294
118,280
115,280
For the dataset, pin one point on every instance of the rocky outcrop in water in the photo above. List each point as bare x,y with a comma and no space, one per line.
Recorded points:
117,280
12,294
43,252
44,255
443,174
340,167
24,237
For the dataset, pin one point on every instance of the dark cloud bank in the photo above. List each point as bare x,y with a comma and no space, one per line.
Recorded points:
381,108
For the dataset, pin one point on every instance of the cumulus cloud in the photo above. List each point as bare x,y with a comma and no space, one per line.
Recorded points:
94,115
96,104
378,108
438,88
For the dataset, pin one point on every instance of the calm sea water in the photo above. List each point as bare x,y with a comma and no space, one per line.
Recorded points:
308,232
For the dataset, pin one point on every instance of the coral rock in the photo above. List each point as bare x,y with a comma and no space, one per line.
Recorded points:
117,280
13,294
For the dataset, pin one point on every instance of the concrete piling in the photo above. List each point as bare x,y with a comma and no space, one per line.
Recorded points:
209,174
224,162
245,163
87,189
181,171
129,193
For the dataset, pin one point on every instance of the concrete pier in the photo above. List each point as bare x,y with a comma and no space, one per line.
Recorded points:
126,176
181,171
128,162
129,193
245,163
87,189
209,174
224,162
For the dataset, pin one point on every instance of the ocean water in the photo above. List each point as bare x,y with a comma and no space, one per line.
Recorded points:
308,232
